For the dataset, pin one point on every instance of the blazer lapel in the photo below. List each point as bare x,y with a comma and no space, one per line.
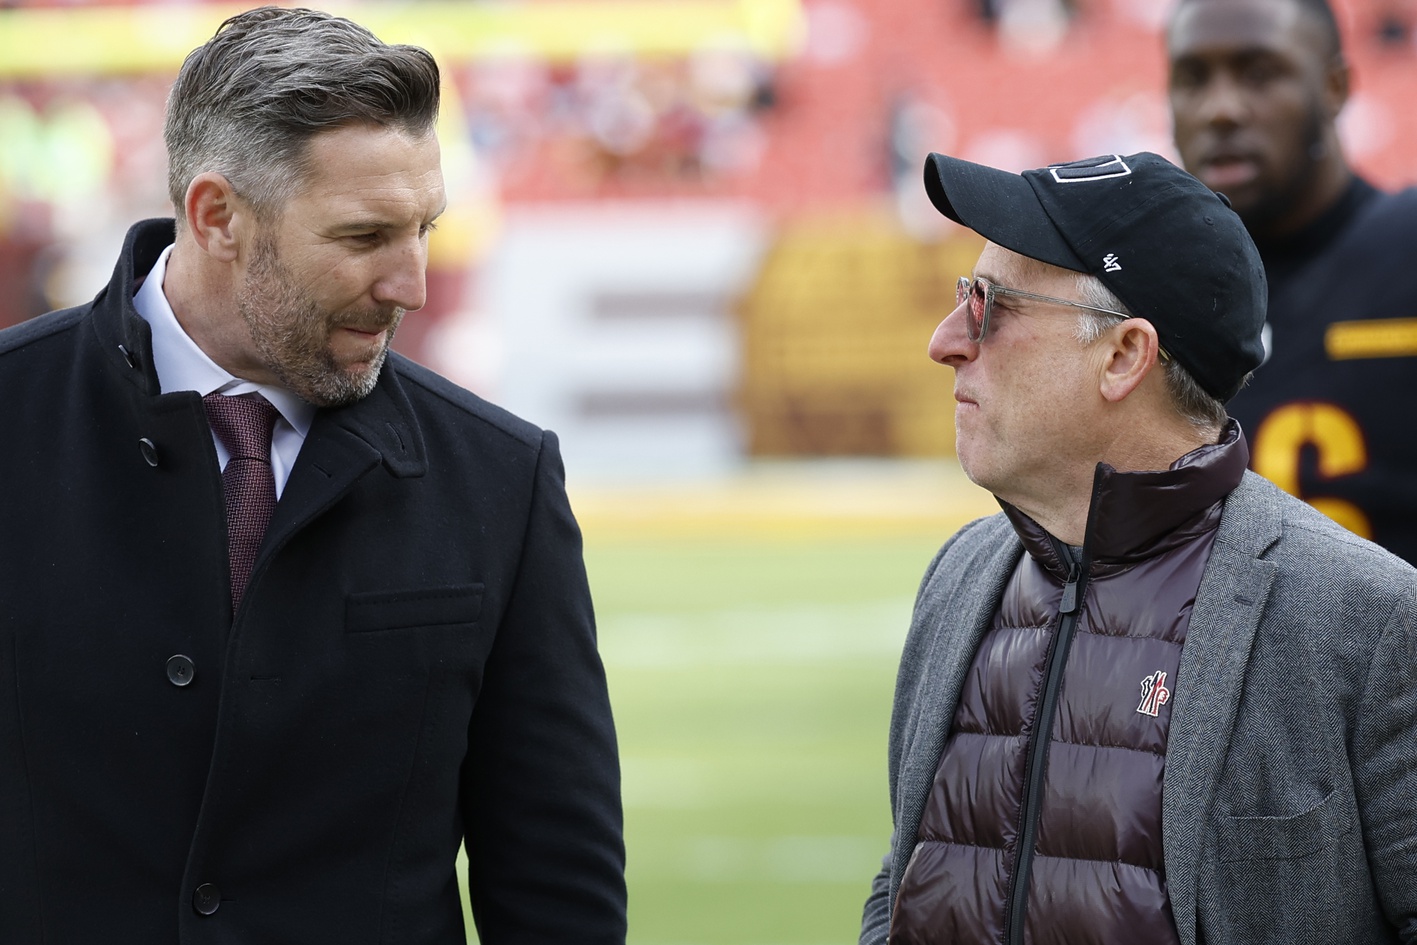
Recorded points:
1229,603
952,614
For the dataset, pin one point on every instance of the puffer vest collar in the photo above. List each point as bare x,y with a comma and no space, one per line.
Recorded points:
1137,515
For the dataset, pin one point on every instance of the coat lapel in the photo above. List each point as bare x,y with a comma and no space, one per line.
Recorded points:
952,614
345,444
1229,603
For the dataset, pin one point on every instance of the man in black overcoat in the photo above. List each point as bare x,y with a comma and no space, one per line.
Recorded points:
258,687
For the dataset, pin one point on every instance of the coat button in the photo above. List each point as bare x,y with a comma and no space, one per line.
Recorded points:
206,899
149,450
180,670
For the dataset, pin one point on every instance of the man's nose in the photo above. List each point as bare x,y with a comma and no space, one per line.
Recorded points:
404,279
1223,102
950,344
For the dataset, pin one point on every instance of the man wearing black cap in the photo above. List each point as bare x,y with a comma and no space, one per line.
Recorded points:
1156,700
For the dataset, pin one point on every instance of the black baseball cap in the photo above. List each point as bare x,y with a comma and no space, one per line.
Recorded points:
1165,244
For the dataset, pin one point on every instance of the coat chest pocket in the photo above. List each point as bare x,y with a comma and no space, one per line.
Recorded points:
1287,838
426,608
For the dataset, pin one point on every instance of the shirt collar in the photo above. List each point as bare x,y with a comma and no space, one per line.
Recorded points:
182,365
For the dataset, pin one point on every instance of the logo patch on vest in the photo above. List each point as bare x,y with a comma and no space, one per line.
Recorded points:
1153,694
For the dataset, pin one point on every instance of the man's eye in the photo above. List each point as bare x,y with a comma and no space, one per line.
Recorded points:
1259,72
1187,76
1002,306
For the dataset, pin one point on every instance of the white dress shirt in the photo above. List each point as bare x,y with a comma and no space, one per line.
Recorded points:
181,365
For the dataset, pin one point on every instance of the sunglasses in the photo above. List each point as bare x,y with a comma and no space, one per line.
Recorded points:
977,297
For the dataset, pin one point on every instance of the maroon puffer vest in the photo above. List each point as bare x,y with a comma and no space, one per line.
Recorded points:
1058,840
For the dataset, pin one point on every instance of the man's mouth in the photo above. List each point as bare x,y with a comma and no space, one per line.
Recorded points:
366,332
1228,170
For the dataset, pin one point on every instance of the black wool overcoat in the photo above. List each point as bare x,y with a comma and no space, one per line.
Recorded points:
413,665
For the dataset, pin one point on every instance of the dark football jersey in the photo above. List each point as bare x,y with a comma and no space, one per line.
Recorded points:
1331,415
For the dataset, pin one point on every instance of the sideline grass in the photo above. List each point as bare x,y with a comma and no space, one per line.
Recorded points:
751,684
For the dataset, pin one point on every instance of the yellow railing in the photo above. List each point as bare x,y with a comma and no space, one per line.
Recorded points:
106,40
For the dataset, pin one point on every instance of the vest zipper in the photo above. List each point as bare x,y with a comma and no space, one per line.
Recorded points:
1068,611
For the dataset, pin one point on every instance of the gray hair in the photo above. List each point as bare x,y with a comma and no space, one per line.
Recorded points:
247,103
1189,399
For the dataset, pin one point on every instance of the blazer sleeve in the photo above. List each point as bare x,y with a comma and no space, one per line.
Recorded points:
1385,769
876,916
541,800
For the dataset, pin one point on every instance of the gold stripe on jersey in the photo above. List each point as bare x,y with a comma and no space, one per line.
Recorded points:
1376,338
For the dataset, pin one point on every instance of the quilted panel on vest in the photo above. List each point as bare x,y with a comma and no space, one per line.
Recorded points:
1098,872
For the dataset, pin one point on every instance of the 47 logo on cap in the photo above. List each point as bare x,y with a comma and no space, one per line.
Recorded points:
1098,168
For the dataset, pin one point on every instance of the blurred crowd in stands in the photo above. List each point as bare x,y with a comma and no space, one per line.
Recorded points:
618,118
84,156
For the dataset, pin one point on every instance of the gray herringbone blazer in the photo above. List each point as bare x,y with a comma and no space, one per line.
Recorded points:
1289,809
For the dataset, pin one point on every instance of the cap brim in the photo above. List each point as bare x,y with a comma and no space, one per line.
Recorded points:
998,205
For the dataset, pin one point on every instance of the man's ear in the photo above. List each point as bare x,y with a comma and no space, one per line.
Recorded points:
1132,351
1337,82
211,209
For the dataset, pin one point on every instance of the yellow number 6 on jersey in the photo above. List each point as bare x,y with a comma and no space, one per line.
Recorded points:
1337,439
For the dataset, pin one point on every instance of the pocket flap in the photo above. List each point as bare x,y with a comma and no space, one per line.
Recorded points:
1288,838
369,611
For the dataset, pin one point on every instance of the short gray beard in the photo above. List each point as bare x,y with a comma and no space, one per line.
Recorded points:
290,332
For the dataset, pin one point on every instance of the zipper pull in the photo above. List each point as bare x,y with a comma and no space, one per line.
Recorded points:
1070,591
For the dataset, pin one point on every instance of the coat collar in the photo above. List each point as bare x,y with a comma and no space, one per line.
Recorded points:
384,422
124,337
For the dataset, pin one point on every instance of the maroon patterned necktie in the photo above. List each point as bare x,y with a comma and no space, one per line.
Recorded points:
244,424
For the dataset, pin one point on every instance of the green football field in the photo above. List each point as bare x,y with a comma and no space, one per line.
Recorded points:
751,656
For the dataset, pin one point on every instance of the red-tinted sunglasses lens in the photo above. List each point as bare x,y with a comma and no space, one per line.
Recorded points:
975,293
